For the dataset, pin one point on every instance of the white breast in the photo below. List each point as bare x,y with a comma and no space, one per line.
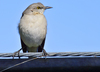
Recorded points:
32,29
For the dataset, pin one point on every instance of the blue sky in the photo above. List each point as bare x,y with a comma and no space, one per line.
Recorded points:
73,25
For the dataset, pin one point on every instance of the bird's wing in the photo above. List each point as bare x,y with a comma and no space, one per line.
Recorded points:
24,47
40,48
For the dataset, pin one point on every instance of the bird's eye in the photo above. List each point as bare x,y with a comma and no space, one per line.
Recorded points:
38,7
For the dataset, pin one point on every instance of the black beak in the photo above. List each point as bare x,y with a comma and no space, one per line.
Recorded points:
47,7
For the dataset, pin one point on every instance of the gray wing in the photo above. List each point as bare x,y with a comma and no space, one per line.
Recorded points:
40,48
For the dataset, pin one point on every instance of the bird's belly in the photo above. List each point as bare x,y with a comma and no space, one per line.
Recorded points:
33,36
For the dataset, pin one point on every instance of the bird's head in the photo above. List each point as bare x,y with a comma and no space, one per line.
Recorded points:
36,8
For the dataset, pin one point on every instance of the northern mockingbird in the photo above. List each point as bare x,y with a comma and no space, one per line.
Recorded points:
33,28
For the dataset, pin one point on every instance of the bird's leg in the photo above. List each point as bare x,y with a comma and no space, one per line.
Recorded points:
45,53
16,53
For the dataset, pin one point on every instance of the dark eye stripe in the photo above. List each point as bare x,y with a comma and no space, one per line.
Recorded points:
39,7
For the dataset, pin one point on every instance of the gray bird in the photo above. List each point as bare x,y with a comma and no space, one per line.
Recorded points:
33,28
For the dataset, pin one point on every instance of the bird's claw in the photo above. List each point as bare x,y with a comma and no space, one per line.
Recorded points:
16,53
45,53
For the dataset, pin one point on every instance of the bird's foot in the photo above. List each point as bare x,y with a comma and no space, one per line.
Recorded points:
16,53
45,53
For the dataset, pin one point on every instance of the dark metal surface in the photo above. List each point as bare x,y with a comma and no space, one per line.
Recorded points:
71,64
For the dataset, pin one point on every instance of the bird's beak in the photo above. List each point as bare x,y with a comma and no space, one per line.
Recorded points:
47,7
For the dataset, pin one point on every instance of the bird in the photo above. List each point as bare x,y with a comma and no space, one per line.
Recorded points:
33,28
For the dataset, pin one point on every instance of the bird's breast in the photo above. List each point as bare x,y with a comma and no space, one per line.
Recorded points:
32,29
